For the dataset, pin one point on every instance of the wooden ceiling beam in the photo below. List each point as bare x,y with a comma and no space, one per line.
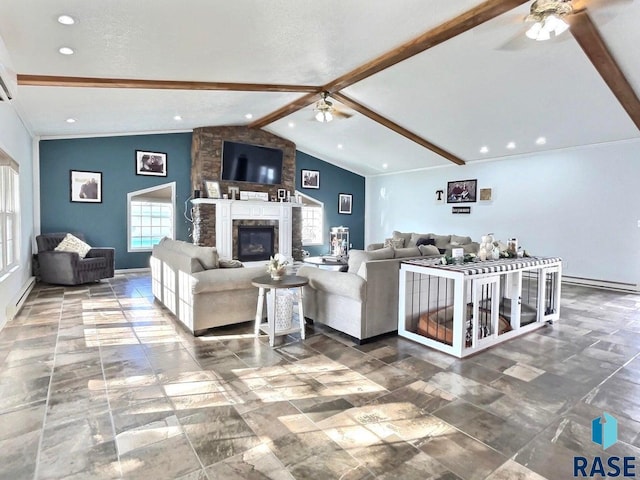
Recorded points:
367,112
456,26
591,42
287,110
61,81
460,24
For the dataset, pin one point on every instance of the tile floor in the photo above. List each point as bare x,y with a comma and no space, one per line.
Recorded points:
99,382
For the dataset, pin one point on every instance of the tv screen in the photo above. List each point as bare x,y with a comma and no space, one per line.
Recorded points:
242,162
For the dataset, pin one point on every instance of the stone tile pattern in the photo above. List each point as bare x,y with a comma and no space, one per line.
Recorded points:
99,381
206,164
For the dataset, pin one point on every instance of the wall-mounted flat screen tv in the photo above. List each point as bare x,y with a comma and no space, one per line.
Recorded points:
242,162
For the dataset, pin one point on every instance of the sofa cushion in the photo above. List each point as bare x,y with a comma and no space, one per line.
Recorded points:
429,250
394,242
357,257
71,243
207,256
442,241
458,240
406,252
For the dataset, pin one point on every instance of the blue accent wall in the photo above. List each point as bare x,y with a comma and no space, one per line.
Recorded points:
105,224
334,181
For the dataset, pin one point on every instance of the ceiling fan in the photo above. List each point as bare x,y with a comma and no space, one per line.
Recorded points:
581,26
548,19
326,112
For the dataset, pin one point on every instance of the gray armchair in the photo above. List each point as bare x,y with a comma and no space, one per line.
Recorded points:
67,268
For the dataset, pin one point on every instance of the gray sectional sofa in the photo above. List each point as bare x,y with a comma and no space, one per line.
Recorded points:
193,283
363,302
444,243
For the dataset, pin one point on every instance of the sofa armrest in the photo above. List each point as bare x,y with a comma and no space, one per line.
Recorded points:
58,267
337,283
374,246
221,280
106,252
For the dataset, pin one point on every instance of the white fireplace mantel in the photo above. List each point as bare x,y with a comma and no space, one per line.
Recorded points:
229,210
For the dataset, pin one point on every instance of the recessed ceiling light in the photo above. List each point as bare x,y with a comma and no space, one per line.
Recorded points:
541,141
484,149
291,124
71,120
66,20
340,146
248,116
511,145
385,165
66,50
177,118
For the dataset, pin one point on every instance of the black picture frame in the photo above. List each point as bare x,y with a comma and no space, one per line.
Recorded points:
85,186
345,203
151,163
282,194
310,178
462,191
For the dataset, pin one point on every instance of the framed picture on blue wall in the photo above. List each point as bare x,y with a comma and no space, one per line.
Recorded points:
310,178
151,163
85,187
345,202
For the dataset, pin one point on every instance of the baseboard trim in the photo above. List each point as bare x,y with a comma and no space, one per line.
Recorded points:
132,270
17,303
604,284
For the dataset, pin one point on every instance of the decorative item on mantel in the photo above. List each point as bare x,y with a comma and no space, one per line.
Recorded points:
277,266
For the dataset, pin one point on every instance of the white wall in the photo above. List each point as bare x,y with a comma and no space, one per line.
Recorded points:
581,204
16,141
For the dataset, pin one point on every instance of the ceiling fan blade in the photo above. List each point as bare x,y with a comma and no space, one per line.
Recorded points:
341,114
579,5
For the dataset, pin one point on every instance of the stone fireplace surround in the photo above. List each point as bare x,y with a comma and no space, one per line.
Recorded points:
206,164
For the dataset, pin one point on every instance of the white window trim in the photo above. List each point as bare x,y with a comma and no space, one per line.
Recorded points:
141,193
13,199
315,204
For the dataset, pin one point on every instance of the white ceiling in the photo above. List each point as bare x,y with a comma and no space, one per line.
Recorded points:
460,95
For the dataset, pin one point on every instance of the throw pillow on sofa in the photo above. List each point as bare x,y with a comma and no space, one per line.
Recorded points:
429,250
222,263
425,241
394,242
413,241
71,243
207,256
405,236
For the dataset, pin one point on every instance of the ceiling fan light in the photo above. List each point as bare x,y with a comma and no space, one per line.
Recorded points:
561,27
324,116
543,35
534,31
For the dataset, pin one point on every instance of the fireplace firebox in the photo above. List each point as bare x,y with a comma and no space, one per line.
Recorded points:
255,243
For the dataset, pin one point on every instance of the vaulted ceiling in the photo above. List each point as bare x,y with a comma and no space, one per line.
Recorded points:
428,82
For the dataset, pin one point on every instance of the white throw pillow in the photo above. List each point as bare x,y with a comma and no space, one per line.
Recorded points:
72,243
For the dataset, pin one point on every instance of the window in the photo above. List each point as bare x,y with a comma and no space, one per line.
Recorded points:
9,213
151,214
312,221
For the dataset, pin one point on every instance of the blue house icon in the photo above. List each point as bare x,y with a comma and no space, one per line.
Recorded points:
604,430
